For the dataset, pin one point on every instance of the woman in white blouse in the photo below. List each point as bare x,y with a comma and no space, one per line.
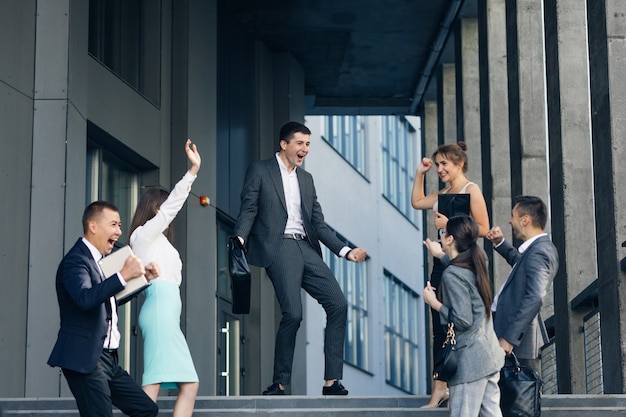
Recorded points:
167,360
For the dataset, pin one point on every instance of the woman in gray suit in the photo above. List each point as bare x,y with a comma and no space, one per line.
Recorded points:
465,291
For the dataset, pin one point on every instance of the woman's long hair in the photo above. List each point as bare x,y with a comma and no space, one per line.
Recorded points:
148,207
465,232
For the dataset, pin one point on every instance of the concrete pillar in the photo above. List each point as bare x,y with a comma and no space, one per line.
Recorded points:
16,127
289,105
571,167
262,322
288,92
495,122
527,105
58,139
607,45
468,96
532,100
446,86
195,108
431,143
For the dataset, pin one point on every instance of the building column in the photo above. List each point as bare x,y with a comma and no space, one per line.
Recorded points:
494,130
571,169
529,150
430,132
468,96
194,110
58,140
446,110
430,143
288,100
607,45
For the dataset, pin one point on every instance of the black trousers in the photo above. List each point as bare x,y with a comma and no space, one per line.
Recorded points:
439,331
108,385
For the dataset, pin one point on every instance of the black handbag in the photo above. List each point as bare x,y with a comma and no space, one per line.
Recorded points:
445,366
520,389
239,275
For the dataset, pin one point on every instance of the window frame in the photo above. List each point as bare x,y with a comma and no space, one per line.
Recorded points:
401,334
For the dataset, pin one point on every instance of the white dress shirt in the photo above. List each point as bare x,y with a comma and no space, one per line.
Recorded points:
292,198
291,186
151,245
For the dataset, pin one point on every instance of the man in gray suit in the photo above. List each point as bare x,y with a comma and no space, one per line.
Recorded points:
517,306
281,223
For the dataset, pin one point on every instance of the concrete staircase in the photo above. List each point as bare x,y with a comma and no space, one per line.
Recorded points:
301,406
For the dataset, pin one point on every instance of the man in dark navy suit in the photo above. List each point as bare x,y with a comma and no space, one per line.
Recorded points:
517,306
86,348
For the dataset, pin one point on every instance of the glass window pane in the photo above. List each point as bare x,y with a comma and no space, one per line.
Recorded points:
401,341
125,36
346,135
399,142
351,278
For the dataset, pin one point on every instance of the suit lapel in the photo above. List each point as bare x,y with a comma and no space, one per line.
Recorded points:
302,185
94,264
521,259
102,277
305,194
92,261
277,180
512,273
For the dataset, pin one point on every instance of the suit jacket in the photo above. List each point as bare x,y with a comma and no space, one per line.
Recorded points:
518,318
263,213
83,297
478,352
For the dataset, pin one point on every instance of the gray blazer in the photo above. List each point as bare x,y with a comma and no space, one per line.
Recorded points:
263,213
478,352
518,318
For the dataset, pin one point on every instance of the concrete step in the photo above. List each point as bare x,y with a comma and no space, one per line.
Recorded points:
302,406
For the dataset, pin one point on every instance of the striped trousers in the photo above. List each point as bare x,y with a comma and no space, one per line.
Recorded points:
297,265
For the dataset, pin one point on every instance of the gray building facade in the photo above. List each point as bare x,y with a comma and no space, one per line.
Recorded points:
97,98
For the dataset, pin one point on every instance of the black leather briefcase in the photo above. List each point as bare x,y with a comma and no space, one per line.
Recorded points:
520,390
239,275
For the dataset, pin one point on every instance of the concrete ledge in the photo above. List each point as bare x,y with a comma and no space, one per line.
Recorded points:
302,406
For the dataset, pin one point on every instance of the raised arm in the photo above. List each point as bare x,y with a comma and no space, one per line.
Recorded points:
419,200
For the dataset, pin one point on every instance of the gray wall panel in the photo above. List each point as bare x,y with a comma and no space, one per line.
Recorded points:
123,113
17,32
15,171
199,252
47,223
52,31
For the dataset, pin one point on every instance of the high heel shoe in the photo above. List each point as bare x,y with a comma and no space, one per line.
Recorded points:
442,401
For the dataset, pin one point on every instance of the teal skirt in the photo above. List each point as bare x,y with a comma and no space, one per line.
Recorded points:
166,358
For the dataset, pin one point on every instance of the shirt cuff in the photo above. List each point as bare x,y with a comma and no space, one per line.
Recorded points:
121,278
344,251
501,242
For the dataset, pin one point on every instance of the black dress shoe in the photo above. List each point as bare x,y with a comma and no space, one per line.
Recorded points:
335,389
274,389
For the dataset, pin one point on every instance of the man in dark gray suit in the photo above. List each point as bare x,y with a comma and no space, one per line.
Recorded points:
517,306
281,223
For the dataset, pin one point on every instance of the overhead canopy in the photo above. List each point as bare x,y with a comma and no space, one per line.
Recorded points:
359,56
